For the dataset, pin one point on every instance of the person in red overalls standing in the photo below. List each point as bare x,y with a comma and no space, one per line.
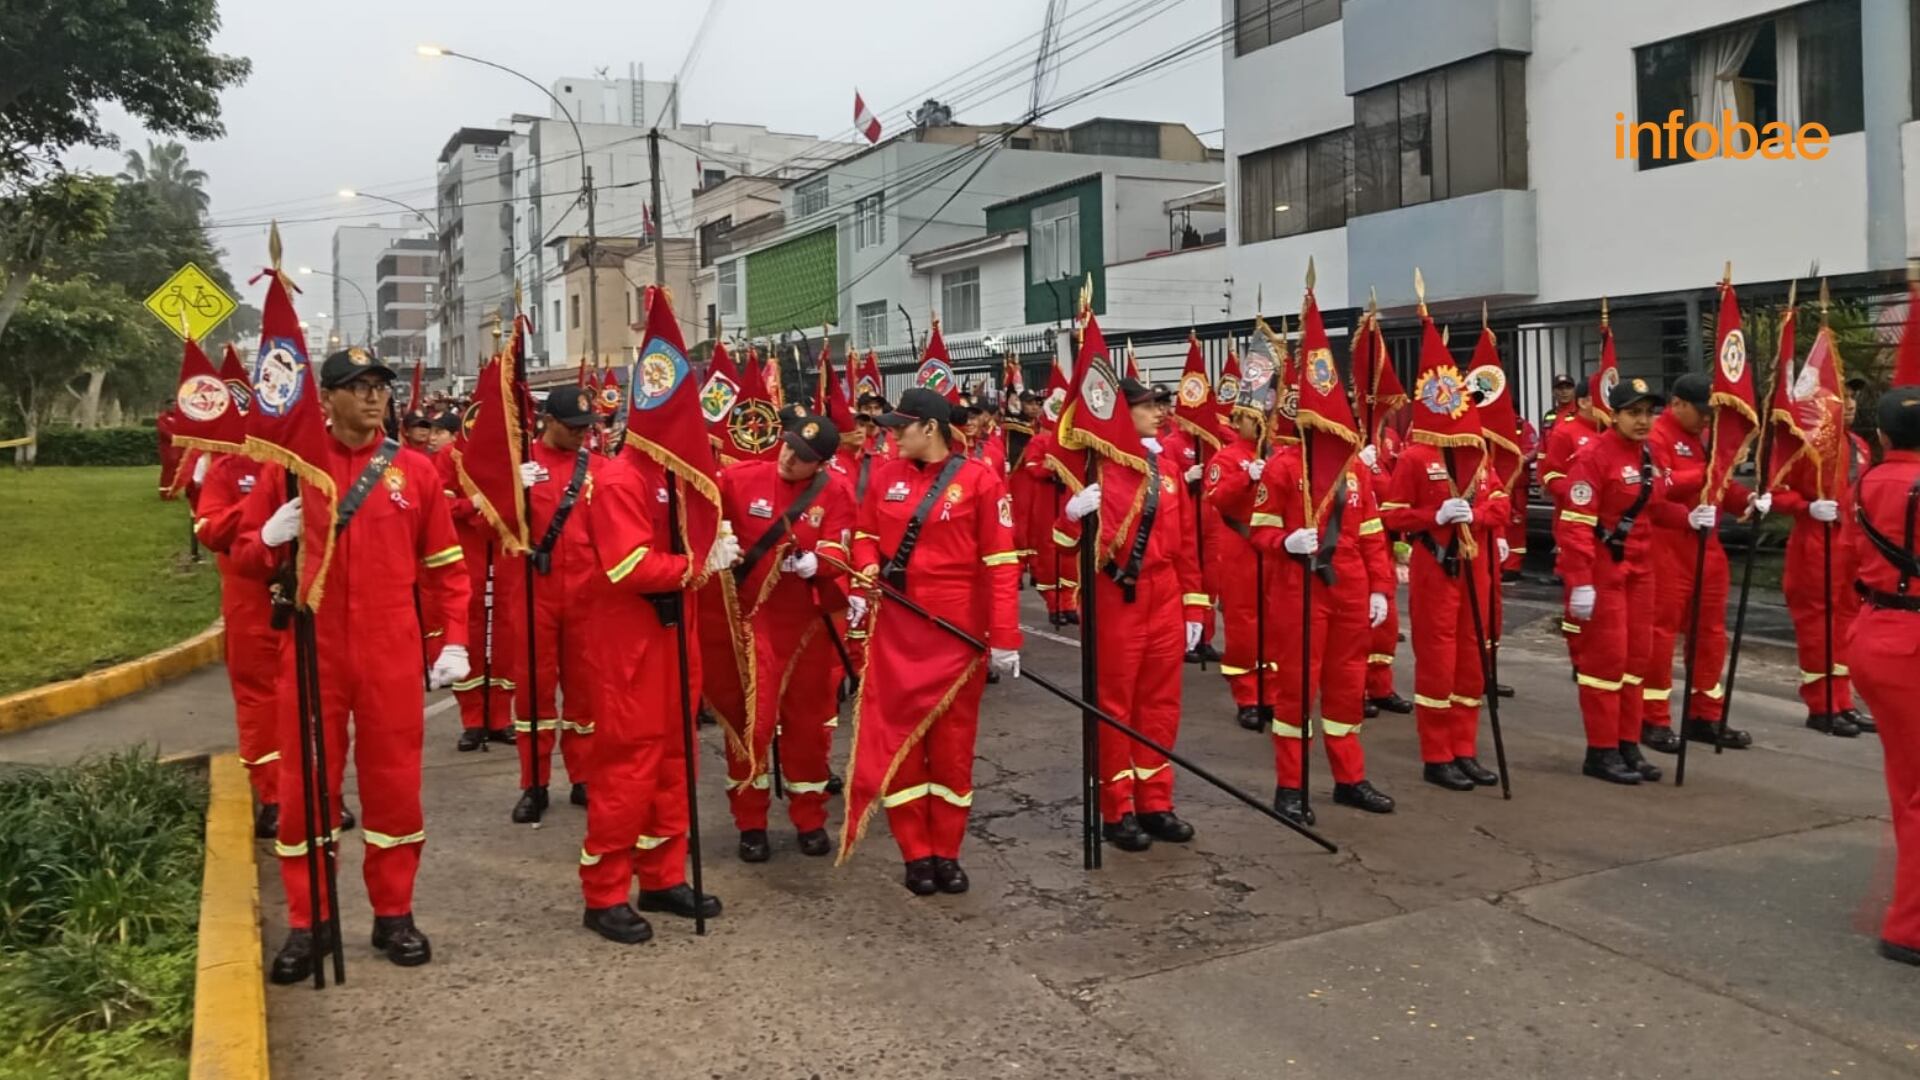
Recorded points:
1606,559
795,519
1379,458
368,642
485,696
558,473
1184,450
1884,642
1056,572
1232,474
1141,605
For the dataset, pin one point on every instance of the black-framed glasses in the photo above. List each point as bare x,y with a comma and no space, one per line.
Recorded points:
368,389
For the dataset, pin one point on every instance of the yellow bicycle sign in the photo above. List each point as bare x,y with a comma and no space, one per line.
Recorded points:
190,303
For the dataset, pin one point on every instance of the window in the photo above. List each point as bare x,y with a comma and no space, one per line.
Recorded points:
556,313
1053,241
1117,138
1260,23
729,280
1800,66
1297,188
872,319
713,239
1457,130
810,197
711,177
870,221
960,300
573,312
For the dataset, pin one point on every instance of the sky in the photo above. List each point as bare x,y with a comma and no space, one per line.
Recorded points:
339,96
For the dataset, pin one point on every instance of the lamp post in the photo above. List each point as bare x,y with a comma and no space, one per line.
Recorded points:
586,186
433,232
365,304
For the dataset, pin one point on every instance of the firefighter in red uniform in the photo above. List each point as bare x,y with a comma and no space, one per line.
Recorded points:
791,512
1140,605
1884,645
398,532
1805,582
1378,459
1348,601
637,817
939,528
485,695
1184,449
557,474
1056,573
1681,454
255,651
1231,476
415,430
1607,561
1515,534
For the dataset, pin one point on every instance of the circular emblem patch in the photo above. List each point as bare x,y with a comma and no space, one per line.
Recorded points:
935,375
754,427
202,398
1609,379
955,493
1213,473
1193,389
815,515
1320,371
810,430
1490,380
717,397
1581,493
394,478
1807,385
1733,355
280,376
359,357
1006,511
662,369
1639,386
867,386
1257,370
609,398
1097,389
1228,392
1056,400
1442,391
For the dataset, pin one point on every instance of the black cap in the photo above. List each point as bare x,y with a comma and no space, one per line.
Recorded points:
872,399
1136,392
1564,380
1162,393
918,403
343,367
448,421
1628,392
1899,416
570,405
1032,395
1856,383
1582,388
1694,389
792,414
963,413
813,438
415,419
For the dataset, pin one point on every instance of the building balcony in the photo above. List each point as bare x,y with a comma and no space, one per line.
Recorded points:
1391,39
1471,247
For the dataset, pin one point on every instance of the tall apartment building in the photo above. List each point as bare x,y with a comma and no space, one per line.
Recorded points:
356,257
406,299
477,263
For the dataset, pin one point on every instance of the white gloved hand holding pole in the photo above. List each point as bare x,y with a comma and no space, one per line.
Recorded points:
1193,473
1704,517
1254,468
1455,511
1004,662
1580,603
200,466
1303,541
1193,636
1370,456
449,667
531,473
724,552
284,525
856,611
1084,502
1823,510
1376,609
806,564
1502,548
1761,504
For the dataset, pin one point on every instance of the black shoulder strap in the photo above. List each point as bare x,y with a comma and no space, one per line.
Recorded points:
363,484
1901,556
1128,576
780,526
860,481
543,555
1616,537
896,565
1330,535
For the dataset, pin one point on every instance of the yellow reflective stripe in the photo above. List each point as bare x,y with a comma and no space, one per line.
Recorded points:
1286,730
587,858
1568,626
443,557
834,544
1148,774
545,725
1371,526
293,851
1654,693
1839,672
1273,521
951,796
759,783
1597,683
1548,476
806,787
626,565
431,634
1001,558
1334,729
469,684
1578,518
1469,702
1719,691
1631,679
1123,774
648,843
1380,658
272,756
1195,599
1516,550
866,536
383,840
1045,588
1063,539
905,795
1394,506
1229,669
1426,702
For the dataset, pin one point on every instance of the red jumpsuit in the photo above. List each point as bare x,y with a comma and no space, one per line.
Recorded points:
1565,439
1229,494
1616,643
255,652
797,669
1516,531
1384,640
1141,639
860,470
1186,451
1448,681
1056,571
1683,458
1337,669
485,699
920,719
637,817
1804,580
1884,646
562,625
368,639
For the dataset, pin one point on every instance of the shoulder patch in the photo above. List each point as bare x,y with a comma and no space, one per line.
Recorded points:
1580,494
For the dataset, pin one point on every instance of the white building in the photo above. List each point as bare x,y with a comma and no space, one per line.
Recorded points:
477,262
356,278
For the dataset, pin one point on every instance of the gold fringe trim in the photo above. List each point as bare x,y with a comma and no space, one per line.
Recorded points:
1074,438
1308,418
1444,441
513,543
1197,431
1736,403
740,637
1726,477
321,480
209,446
1068,477
699,480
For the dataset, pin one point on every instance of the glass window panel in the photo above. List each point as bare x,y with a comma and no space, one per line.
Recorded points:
1472,128
960,300
1376,150
1250,26
1513,122
1417,111
1290,190
1322,13
1329,166
1831,92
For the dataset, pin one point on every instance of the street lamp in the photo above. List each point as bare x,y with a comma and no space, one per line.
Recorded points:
586,184
433,229
365,304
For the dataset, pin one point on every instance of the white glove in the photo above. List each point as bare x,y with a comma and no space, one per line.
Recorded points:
1761,504
1254,468
1454,512
1303,541
1580,603
1151,443
1193,473
1501,546
449,667
1193,636
200,465
805,564
1376,609
284,525
1004,662
531,473
1823,510
1369,456
1703,517
856,610
1083,503
724,552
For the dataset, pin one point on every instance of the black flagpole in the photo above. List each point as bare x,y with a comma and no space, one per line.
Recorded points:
323,789
1090,815
1762,456
1489,693
1693,650
486,660
1306,632
534,752
316,806
688,735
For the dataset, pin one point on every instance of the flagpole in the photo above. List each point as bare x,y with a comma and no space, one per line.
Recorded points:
486,661
1690,659
1306,628
310,810
689,737
1091,817
1489,694
1763,454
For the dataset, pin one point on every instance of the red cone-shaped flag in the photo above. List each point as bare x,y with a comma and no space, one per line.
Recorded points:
666,424
209,419
1735,419
1818,406
487,458
1443,414
868,381
719,393
1499,423
1608,377
936,367
1788,442
1380,391
1322,411
752,430
1193,406
1226,393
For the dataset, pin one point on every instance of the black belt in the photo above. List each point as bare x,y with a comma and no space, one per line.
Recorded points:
894,569
1885,601
1128,578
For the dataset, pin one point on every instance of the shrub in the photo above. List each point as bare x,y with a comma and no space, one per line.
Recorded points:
101,446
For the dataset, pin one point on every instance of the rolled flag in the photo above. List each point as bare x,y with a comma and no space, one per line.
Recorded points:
1056,399
1608,377
413,391
1787,443
1227,398
1097,421
719,393
1322,411
1735,419
1499,421
486,458
936,367
233,372
868,381
823,375
1012,382
666,424
1193,405
837,408
209,418
771,382
1133,363
1378,385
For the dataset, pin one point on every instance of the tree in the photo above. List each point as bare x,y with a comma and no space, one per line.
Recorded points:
67,330
164,171
58,61
67,209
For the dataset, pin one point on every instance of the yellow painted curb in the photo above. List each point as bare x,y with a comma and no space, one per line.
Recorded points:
229,998
56,701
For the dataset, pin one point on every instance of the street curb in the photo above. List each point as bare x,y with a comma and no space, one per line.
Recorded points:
229,998
57,701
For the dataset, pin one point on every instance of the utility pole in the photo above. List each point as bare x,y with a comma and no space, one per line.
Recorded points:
593,261
659,230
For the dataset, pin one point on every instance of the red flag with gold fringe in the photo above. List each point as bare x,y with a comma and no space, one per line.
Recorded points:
1322,412
936,367
1443,413
1377,384
719,393
1735,418
1193,406
210,419
752,428
666,424
1817,409
487,457
1499,422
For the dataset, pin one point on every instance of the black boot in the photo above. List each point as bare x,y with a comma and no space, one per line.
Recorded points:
1630,753
1363,796
532,804
294,962
1861,720
1166,826
1249,717
1446,774
347,820
919,877
402,941
679,901
1835,724
1510,576
1126,834
619,923
814,842
266,822
1659,737
1708,731
1605,763
835,783
1289,803
1208,653
470,739
1476,772
501,735
1501,689
754,847
948,875
1392,703
1071,618
578,796
1901,953
993,678
1369,710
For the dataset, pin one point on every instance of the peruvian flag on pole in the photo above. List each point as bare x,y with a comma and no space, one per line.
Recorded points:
863,119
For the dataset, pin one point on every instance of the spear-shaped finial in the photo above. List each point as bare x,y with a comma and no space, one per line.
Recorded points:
1483,314
273,246
1312,274
1446,335
1606,314
1373,300
1259,298
1726,276
1420,290
1826,301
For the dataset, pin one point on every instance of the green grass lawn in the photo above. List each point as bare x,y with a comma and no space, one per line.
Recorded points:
93,571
